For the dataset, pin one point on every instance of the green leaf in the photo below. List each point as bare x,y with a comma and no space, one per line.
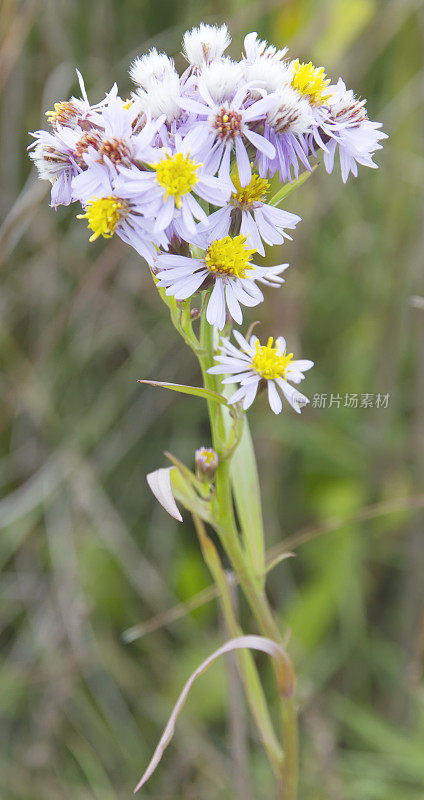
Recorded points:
245,481
290,187
188,497
196,391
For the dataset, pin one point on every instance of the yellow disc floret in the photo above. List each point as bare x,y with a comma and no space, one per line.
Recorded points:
269,362
64,113
103,215
229,256
310,82
177,174
246,196
208,455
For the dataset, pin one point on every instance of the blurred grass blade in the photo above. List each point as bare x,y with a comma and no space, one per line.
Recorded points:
287,188
196,391
172,614
285,685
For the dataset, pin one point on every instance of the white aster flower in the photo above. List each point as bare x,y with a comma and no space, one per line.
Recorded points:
254,365
113,210
205,44
227,267
256,219
222,127
114,143
100,152
54,157
111,214
77,111
168,190
345,125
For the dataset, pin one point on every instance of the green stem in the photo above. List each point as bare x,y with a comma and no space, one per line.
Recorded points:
248,671
227,530
289,728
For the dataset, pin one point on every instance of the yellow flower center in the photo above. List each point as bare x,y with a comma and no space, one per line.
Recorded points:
310,82
177,174
63,113
254,192
269,362
229,256
227,124
103,215
207,455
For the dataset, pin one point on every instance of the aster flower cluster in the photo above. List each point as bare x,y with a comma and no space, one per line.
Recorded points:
181,170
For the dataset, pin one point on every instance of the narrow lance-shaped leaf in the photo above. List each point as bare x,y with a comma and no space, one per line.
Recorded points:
245,483
287,188
285,685
196,391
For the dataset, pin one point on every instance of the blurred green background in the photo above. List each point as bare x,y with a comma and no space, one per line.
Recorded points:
85,550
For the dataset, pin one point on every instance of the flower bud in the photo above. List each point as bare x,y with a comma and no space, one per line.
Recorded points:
206,460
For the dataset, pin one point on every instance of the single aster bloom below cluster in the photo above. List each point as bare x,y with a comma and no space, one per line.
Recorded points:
184,168
255,366
227,268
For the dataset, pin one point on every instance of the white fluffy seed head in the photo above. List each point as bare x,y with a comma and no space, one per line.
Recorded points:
160,98
258,48
222,78
151,67
291,113
205,44
267,74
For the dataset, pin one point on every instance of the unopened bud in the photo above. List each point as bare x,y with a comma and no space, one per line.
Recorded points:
195,313
206,460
